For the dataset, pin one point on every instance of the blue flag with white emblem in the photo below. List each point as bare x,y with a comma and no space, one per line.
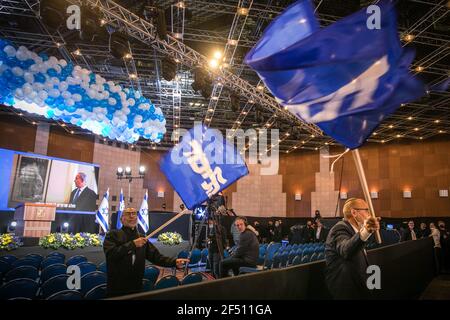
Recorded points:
345,78
102,215
201,165
120,211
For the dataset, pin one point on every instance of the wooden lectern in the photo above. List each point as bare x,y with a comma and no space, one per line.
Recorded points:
34,219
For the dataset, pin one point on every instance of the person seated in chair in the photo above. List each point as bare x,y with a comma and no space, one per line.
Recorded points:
247,251
126,250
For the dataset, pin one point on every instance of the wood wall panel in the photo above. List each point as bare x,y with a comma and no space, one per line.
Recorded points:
62,144
155,181
16,134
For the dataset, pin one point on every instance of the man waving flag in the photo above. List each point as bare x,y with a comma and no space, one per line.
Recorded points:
102,215
346,77
120,211
143,214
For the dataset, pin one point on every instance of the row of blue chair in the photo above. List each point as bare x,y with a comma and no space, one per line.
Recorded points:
29,288
171,281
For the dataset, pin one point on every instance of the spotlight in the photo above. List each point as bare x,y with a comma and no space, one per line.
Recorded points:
65,227
12,226
119,171
217,55
127,171
213,64
141,170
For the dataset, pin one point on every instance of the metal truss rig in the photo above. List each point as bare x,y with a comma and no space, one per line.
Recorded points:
144,31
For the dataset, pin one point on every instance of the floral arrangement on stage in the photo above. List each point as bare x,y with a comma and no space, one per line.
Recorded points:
9,241
170,238
70,241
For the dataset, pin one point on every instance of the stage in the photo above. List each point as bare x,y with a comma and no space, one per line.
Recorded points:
95,254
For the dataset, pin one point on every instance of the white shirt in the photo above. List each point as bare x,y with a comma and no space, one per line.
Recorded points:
318,232
436,237
413,235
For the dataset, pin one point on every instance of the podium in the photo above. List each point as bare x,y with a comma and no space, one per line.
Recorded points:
34,219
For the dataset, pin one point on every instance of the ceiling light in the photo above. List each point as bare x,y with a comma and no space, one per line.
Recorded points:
410,118
391,126
213,64
409,37
419,69
416,129
242,11
437,121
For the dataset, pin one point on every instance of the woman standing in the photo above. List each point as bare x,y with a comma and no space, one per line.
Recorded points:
436,235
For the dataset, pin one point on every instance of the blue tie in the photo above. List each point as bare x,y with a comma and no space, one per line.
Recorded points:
77,194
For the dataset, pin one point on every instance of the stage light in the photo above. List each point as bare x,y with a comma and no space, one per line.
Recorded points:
409,37
419,69
141,170
119,172
128,56
77,52
213,64
12,226
65,227
217,55
128,171
243,11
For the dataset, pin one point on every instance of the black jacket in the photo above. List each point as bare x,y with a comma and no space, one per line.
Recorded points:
248,248
307,234
346,263
406,234
123,276
85,201
322,235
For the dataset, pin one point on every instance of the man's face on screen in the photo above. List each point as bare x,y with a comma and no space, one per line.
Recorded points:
79,182
129,219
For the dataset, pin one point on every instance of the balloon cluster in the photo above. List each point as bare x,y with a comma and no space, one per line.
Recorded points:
60,91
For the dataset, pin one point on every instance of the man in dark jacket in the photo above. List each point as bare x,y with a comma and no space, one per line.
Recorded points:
411,233
346,258
308,232
126,251
320,232
247,252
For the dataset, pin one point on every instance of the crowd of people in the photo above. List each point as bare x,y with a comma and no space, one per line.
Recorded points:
441,240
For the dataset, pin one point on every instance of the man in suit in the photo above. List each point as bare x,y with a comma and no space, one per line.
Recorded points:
126,251
320,233
83,197
410,233
346,258
308,232
247,251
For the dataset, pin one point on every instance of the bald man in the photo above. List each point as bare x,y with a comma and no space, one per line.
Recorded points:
346,258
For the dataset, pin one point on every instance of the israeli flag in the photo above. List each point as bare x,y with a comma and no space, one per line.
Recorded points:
120,211
102,215
143,214
201,165
346,77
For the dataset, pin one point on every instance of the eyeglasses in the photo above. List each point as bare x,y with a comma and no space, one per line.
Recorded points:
130,214
362,209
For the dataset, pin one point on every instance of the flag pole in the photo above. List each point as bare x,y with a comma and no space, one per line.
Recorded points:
365,187
164,225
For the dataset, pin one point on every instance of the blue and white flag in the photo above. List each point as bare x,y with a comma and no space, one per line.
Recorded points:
201,165
102,215
143,214
346,77
120,211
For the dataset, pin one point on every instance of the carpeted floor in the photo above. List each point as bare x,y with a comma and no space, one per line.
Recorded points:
438,289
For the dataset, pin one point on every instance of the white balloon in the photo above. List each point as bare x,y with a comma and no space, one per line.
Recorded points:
70,102
55,80
27,89
37,86
28,76
66,95
34,68
43,94
54,93
63,63
76,97
112,101
63,85
138,118
18,93
10,51
131,101
48,85
17,71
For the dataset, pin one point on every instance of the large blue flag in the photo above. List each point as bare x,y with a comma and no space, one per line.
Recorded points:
120,211
346,77
201,165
